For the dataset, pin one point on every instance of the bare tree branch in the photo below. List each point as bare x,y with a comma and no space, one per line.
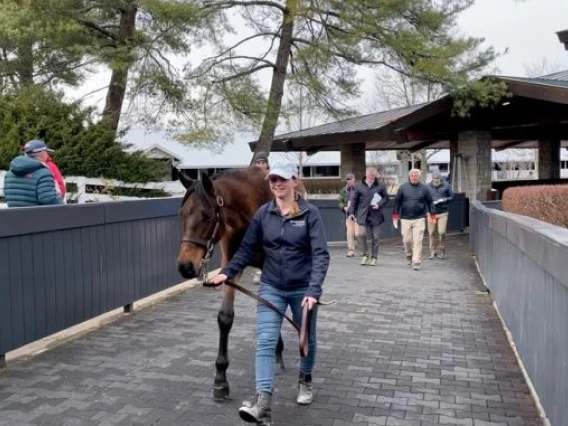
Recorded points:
231,4
103,31
241,74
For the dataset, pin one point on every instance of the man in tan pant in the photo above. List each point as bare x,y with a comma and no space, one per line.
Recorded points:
412,231
441,195
411,203
344,202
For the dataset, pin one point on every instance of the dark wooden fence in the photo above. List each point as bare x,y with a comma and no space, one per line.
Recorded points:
62,265
524,262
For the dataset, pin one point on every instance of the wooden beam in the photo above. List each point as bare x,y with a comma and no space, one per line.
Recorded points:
538,91
423,136
530,133
423,145
316,149
510,144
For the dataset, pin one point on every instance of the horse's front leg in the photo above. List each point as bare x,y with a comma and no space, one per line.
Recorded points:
279,351
225,322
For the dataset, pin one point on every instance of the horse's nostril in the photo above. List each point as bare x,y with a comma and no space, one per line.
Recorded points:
186,270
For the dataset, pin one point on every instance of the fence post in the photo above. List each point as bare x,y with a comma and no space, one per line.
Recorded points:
81,183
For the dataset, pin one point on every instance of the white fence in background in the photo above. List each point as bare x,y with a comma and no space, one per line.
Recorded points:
93,190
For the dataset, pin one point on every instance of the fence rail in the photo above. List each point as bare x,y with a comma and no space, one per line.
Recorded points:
524,263
62,265
92,190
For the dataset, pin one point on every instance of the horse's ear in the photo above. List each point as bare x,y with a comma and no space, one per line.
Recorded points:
208,184
185,180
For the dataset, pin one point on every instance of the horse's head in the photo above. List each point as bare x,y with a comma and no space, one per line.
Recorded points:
200,214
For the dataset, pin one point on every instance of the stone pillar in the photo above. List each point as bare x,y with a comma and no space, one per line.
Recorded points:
549,159
475,148
453,153
353,160
403,170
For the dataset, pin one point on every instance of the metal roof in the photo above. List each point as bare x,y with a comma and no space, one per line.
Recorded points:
557,79
378,120
356,124
560,75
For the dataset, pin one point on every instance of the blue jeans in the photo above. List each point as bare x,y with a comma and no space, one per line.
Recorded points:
268,324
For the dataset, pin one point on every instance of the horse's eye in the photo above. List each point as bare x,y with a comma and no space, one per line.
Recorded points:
206,216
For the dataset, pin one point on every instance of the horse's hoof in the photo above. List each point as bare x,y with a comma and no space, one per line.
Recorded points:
221,392
280,362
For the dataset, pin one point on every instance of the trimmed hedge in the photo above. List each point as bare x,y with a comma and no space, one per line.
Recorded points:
548,203
324,186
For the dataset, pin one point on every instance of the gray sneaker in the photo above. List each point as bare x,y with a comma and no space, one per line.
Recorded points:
442,254
416,266
305,390
433,256
409,260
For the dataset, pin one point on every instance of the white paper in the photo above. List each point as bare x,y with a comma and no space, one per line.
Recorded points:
376,199
395,223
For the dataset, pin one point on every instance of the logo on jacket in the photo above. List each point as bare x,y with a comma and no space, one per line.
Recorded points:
298,223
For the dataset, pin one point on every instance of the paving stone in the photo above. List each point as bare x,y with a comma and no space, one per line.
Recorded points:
399,348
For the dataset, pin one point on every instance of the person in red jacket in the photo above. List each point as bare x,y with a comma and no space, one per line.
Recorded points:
36,146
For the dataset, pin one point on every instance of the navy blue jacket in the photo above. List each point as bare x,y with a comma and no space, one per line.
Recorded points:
440,192
295,249
413,201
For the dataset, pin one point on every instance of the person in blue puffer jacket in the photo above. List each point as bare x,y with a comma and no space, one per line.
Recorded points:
291,233
29,181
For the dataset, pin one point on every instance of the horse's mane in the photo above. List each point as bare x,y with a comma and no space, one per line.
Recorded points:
231,173
234,174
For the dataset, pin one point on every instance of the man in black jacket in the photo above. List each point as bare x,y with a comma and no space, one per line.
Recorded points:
368,201
441,195
411,203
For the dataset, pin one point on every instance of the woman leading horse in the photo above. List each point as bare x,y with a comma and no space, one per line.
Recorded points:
291,234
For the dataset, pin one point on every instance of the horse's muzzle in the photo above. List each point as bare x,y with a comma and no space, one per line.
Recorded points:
187,270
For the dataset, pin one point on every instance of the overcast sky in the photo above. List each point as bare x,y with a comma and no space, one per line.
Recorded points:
527,28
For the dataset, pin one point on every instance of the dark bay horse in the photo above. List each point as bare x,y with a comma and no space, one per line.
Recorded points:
218,210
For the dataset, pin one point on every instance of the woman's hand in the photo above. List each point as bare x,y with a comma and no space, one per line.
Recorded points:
219,279
310,301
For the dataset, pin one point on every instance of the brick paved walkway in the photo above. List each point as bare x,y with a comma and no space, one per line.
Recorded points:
400,348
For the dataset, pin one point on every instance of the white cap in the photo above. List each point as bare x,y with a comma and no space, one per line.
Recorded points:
284,170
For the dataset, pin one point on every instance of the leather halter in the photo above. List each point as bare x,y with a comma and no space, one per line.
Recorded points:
208,244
